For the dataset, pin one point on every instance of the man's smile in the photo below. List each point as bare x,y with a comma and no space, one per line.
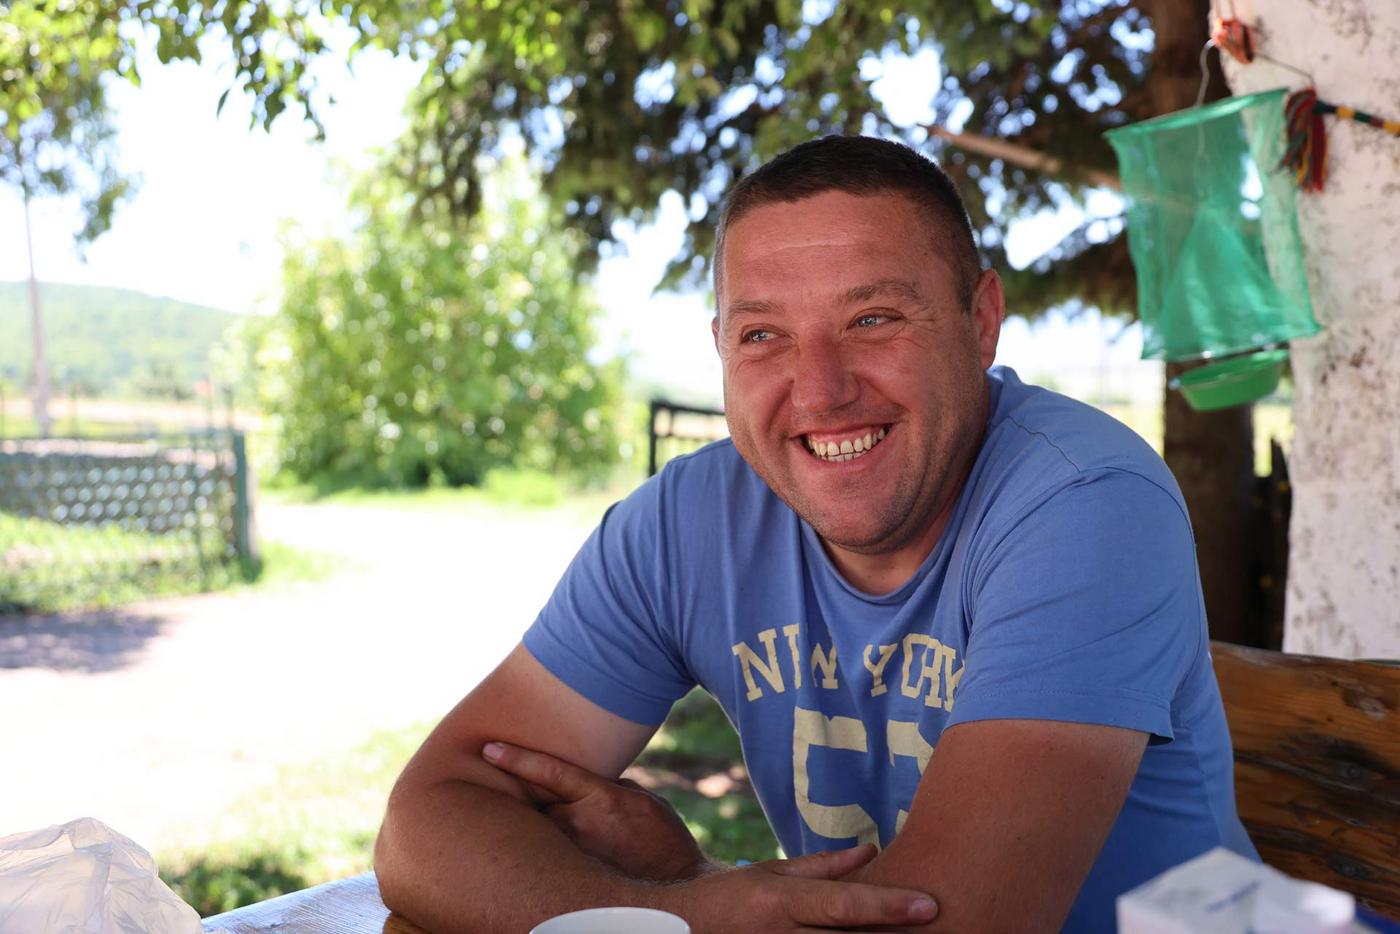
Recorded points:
844,445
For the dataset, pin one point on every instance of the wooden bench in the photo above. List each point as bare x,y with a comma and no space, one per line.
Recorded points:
1317,766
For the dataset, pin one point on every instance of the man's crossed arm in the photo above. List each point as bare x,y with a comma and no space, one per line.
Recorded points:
464,847
1004,827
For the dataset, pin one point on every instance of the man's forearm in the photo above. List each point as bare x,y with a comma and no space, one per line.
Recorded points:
454,856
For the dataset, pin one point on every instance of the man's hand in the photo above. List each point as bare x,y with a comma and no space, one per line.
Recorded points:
797,895
618,822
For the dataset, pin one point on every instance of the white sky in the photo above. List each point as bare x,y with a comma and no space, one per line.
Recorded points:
204,224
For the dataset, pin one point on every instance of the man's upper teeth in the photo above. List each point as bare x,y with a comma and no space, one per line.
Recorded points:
846,449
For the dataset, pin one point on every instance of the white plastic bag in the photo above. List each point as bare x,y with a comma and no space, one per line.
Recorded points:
83,877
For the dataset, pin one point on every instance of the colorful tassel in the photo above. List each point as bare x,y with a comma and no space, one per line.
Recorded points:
1306,154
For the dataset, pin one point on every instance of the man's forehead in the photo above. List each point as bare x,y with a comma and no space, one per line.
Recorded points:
831,242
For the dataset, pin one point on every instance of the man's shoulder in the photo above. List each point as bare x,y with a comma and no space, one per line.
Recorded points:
1051,439
716,457
705,489
716,472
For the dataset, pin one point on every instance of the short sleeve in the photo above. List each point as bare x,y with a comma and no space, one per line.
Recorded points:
1086,608
603,631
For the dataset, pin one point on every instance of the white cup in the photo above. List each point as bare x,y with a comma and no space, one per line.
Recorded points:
614,921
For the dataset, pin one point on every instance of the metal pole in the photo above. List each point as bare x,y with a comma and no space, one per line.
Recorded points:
41,367
244,536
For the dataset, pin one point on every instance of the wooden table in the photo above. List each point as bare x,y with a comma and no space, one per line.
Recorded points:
349,906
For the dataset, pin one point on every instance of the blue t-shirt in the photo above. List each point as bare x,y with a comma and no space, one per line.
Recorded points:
1064,587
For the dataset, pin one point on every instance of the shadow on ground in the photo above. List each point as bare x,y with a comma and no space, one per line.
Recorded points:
107,640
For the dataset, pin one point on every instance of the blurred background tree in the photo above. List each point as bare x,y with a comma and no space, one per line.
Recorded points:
413,354
56,138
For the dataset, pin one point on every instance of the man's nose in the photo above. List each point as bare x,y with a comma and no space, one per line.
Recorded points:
822,379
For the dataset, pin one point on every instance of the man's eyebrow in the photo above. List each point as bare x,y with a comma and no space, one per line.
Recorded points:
749,306
897,288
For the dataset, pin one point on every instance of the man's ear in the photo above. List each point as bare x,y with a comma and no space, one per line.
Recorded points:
988,311
714,330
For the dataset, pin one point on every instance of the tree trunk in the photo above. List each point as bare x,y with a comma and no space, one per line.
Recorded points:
1211,454
1344,540
36,322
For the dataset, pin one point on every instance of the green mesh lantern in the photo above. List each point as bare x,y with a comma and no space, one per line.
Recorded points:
1213,230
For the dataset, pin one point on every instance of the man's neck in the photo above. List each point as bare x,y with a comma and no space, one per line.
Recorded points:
886,572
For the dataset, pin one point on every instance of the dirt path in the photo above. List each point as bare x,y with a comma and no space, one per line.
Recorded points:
165,711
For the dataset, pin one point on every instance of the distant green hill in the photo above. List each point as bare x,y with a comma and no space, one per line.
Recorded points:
110,341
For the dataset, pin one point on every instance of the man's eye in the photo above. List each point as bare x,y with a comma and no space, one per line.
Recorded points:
756,336
870,321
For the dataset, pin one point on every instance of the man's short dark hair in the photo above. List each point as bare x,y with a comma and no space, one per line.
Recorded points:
862,165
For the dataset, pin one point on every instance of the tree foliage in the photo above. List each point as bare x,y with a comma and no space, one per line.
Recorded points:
56,137
622,100
410,353
627,100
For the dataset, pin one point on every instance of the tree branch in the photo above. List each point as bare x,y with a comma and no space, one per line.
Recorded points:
1023,156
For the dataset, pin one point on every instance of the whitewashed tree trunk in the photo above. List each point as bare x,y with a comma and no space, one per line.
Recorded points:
1343,594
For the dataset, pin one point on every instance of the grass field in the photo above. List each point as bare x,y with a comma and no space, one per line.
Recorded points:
527,491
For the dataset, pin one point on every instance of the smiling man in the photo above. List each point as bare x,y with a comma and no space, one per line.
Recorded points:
951,615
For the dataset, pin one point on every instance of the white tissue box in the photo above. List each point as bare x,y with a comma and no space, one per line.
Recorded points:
1221,892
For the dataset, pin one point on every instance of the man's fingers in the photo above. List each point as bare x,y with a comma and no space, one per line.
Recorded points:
827,903
854,904
562,780
832,864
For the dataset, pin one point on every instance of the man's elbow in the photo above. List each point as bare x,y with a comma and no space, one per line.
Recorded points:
389,868
405,831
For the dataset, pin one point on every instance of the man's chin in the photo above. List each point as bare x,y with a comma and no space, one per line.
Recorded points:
861,538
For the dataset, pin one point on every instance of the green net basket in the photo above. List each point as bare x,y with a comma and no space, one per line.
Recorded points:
1213,229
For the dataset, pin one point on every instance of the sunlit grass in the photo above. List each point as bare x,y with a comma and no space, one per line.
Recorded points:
521,493
316,823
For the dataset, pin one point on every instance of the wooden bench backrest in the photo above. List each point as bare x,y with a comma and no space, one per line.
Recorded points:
1317,766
